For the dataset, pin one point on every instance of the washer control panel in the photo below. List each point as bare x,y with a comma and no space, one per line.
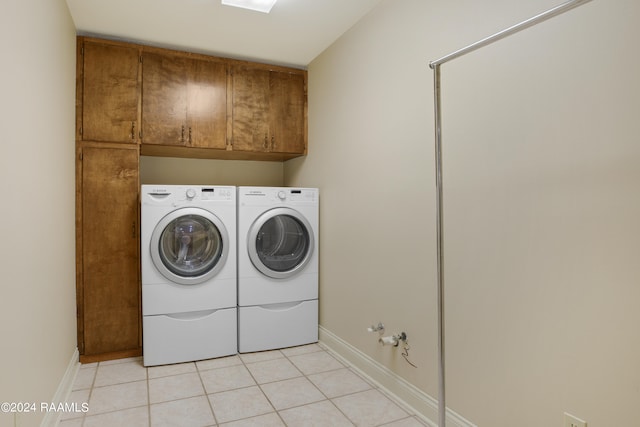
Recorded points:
217,193
178,194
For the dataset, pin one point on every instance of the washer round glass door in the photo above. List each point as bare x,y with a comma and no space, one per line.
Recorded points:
189,246
280,243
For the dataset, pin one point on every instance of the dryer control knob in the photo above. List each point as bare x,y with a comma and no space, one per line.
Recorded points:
191,193
282,195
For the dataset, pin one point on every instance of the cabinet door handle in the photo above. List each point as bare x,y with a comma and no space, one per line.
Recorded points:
189,134
133,130
182,134
273,142
266,142
133,229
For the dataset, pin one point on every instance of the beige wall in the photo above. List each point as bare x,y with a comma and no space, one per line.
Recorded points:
37,253
169,170
542,203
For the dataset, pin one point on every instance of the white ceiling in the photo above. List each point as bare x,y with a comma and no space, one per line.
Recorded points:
293,34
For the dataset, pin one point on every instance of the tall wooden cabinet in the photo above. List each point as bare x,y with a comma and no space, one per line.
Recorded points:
108,294
107,186
131,100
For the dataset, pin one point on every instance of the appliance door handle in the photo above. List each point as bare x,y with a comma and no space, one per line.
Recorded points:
192,315
282,306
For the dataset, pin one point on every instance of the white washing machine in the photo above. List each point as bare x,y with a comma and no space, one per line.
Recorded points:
277,267
189,271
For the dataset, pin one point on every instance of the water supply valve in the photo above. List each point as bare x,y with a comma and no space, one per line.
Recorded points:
393,340
379,328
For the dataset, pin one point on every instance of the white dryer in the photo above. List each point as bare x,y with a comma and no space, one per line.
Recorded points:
189,271
277,267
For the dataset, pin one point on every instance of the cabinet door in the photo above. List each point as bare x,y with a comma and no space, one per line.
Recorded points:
287,112
109,93
207,104
250,110
110,296
164,100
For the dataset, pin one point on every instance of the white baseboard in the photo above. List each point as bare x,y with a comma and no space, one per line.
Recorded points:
415,400
52,418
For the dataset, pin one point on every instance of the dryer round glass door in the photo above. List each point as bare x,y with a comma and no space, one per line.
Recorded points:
189,246
280,243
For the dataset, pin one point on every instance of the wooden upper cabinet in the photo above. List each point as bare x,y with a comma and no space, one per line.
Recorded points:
184,101
250,110
109,92
164,100
288,112
181,104
207,104
269,111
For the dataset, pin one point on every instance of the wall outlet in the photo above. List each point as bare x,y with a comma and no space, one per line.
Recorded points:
571,421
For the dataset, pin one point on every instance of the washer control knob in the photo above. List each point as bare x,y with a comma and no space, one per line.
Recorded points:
282,195
191,193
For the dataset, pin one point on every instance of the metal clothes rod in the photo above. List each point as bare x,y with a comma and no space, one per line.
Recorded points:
435,66
564,7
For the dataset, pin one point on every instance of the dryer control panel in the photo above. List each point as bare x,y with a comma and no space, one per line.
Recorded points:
269,195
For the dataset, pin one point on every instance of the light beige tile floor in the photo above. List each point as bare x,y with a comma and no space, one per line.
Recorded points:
302,386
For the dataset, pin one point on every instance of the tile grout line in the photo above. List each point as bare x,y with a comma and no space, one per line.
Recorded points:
206,395
260,387
146,373
93,382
